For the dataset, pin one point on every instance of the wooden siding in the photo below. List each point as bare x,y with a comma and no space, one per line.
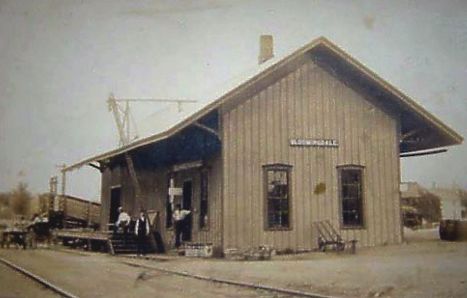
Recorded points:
308,102
105,198
154,191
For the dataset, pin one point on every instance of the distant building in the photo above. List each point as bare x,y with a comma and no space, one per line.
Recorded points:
451,202
309,137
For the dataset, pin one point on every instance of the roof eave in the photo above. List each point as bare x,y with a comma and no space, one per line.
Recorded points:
409,103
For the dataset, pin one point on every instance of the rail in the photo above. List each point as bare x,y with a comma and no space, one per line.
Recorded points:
38,279
255,286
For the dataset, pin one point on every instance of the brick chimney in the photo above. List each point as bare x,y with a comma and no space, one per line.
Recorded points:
266,48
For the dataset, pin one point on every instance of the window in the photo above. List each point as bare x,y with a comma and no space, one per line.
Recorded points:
204,206
277,189
351,193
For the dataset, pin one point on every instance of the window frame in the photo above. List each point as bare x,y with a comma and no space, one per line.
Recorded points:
362,206
277,167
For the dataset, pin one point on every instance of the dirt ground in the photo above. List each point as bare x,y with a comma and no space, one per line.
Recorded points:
101,275
422,267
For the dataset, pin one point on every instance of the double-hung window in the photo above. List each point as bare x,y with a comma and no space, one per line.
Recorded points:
351,195
277,188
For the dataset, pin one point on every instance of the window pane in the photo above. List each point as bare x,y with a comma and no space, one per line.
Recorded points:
274,212
285,213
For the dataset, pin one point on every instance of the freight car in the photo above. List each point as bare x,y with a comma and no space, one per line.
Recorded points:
71,212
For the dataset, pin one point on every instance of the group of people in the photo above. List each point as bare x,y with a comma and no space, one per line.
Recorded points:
141,229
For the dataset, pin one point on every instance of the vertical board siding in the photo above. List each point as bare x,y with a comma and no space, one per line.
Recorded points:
240,202
299,123
333,188
313,114
105,199
290,131
308,187
226,158
308,102
247,166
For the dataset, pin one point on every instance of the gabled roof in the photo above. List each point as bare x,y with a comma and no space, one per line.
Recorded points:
415,120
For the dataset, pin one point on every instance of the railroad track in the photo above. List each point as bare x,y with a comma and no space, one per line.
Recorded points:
272,289
38,279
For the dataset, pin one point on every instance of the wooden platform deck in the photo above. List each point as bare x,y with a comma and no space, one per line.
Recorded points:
83,234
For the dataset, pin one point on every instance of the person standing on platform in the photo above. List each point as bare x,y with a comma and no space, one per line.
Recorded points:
141,231
179,216
123,221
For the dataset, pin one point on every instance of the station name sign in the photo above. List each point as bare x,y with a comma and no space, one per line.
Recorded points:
175,191
187,166
314,143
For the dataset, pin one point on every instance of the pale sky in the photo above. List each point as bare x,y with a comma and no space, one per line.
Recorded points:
59,60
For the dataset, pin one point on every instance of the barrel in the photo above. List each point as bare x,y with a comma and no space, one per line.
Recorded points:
448,229
462,230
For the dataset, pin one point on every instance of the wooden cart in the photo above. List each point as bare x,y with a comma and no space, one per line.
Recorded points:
329,237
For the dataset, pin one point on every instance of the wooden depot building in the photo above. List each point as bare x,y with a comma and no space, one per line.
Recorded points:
315,136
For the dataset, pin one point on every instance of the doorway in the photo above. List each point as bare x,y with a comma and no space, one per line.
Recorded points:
115,201
186,204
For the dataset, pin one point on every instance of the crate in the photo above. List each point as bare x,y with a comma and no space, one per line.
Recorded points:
259,253
200,250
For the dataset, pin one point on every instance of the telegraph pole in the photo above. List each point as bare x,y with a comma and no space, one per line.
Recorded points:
63,202
52,194
122,120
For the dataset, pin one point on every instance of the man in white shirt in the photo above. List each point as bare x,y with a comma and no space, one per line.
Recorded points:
179,216
123,221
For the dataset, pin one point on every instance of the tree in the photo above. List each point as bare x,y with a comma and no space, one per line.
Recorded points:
429,206
5,211
20,199
463,195
44,202
4,199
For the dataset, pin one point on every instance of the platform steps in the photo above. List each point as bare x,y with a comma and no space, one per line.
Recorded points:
122,243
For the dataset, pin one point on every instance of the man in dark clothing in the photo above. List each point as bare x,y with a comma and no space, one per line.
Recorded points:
141,231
